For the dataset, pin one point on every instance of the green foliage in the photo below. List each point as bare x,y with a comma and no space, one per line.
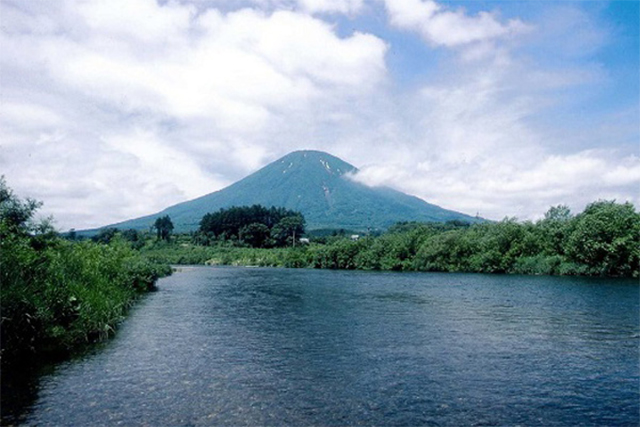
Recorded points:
255,226
606,238
339,255
253,257
255,234
288,230
16,216
553,230
105,235
164,227
298,258
57,293
447,251
603,240
537,265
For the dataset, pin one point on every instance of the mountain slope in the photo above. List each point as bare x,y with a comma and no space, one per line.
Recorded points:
316,184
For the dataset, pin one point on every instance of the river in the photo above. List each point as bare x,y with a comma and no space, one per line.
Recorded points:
253,346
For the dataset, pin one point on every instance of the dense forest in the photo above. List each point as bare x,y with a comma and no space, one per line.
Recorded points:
58,294
603,240
256,226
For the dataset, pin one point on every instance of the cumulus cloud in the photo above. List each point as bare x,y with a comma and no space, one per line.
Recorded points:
479,137
331,6
476,147
231,68
451,28
348,7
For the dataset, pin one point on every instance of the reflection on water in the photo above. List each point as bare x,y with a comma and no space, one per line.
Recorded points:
232,346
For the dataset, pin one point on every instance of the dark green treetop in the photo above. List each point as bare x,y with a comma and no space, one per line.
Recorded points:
164,227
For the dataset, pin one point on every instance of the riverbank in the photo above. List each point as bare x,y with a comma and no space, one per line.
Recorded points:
67,294
58,300
364,255
603,241
58,295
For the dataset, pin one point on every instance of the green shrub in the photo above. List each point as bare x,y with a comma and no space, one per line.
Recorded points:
57,294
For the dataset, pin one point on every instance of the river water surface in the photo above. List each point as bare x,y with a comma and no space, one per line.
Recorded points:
250,346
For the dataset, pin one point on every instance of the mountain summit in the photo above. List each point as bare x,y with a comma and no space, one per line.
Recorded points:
318,185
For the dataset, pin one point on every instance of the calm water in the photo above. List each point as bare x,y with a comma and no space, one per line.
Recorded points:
233,346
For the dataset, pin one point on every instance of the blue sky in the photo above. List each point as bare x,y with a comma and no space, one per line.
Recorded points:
116,109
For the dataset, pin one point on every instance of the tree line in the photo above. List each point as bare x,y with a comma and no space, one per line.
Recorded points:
603,240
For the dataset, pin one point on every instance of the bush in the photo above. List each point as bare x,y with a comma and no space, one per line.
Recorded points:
606,237
57,294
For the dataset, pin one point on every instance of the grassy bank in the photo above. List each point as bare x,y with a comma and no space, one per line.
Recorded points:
56,294
66,294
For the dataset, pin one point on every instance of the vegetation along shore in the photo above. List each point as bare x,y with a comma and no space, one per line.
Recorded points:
57,294
603,240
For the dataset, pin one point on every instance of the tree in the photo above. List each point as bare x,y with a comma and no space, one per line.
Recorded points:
57,293
287,230
131,235
558,213
105,235
164,227
606,237
254,234
16,216
554,229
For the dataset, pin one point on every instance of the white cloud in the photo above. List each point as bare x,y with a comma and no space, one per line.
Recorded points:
234,68
626,174
28,116
475,145
331,6
495,190
444,27
140,21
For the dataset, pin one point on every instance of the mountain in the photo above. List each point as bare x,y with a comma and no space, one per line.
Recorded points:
316,184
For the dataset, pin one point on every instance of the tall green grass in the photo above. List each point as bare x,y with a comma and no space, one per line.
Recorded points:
57,294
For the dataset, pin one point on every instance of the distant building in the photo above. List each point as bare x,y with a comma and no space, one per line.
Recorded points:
355,237
304,240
